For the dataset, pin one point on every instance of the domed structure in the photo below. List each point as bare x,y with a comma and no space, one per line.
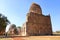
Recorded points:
35,8
12,30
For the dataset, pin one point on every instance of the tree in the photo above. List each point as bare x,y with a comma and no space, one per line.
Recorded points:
3,23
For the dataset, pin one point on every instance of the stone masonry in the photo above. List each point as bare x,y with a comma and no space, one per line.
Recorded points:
37,23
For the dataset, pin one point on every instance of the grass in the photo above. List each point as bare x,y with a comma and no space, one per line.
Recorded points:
5,38
45,38
35,38
55,33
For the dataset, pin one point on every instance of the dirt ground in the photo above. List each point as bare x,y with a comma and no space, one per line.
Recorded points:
33,38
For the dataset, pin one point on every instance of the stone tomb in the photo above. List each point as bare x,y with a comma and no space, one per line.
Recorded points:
37,23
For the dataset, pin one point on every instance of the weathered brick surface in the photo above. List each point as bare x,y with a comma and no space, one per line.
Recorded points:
37,23
35,8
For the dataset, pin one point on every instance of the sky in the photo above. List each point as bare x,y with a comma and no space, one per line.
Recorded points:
16,11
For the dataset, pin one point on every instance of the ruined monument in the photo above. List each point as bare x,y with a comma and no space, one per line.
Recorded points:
37,23
12,30
18,30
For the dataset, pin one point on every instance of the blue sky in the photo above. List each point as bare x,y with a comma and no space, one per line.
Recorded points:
16,10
